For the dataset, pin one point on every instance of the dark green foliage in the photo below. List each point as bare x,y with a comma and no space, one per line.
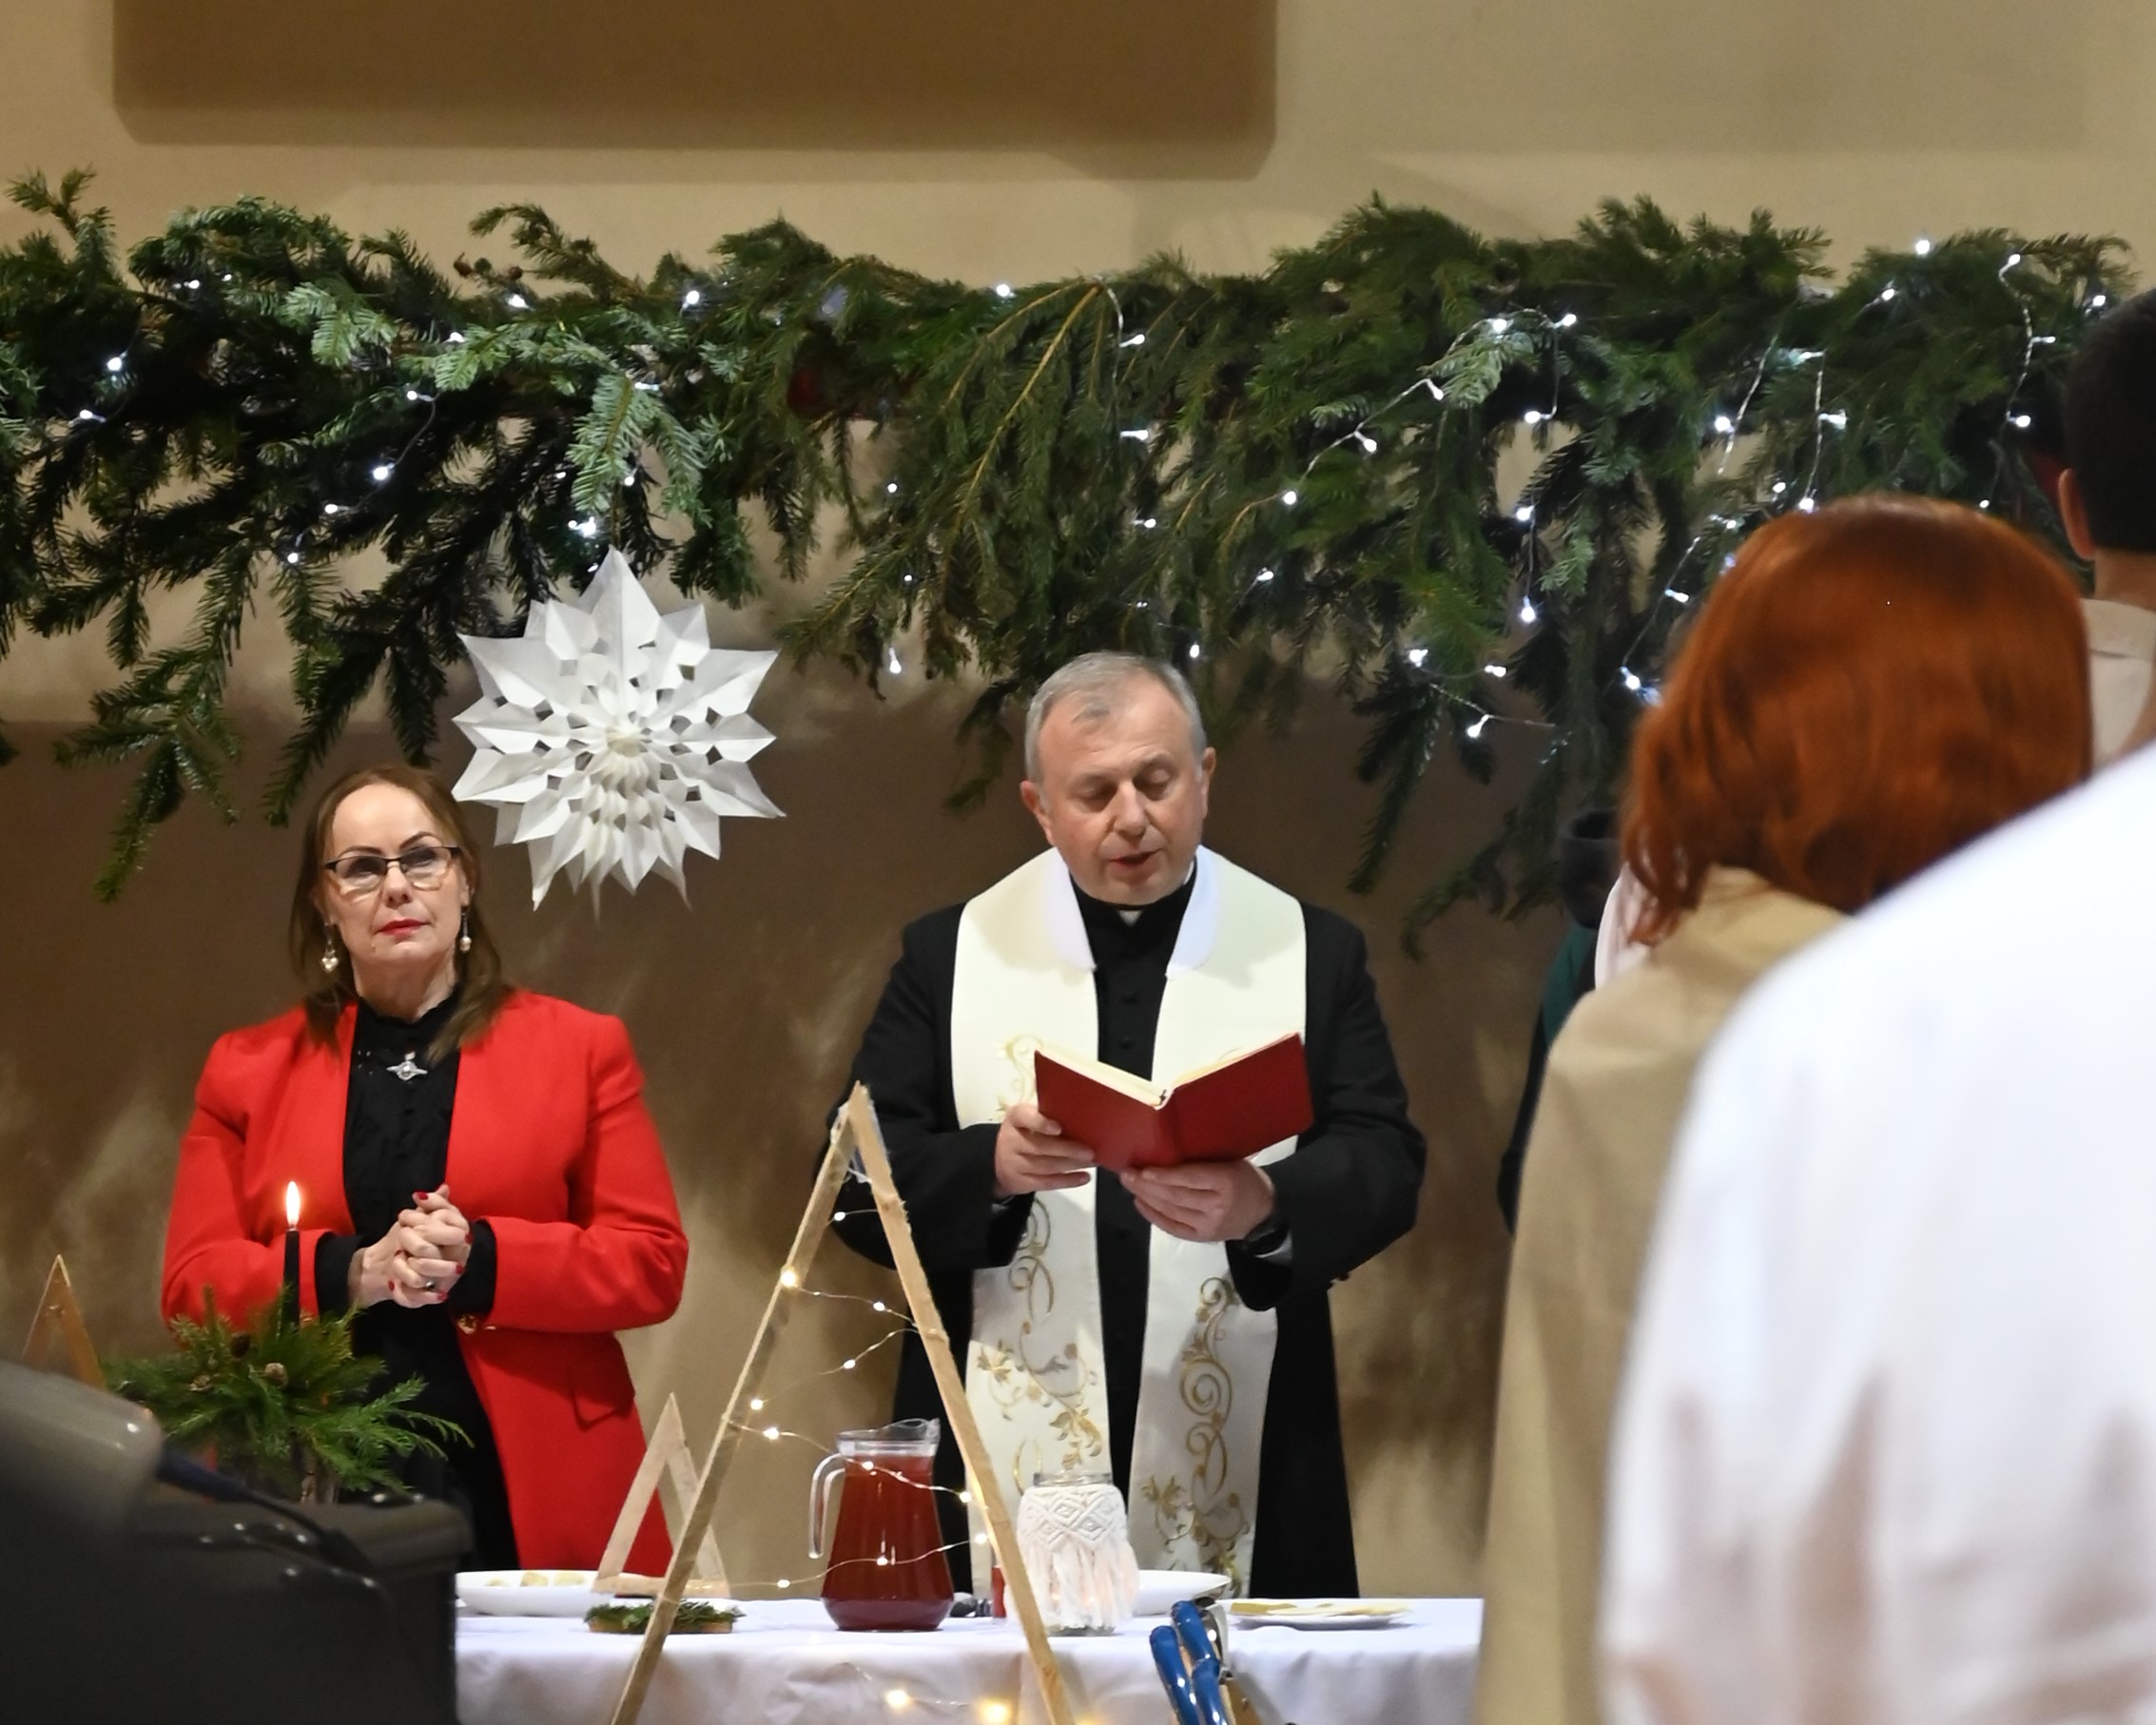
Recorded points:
1095,462
280,1401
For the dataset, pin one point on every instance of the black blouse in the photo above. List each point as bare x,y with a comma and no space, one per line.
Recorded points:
398,1106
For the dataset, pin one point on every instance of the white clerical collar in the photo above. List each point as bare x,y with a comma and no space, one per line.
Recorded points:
1193,939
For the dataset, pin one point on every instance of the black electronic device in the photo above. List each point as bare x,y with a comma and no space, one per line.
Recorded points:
137,1586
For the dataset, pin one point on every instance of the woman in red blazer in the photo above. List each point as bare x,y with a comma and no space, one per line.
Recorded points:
478,1172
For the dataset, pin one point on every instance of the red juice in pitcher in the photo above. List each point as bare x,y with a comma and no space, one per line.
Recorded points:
885,1567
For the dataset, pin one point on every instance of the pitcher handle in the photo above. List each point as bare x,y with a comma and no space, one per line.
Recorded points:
819,1483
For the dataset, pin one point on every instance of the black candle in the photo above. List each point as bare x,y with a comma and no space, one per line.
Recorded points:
291,1289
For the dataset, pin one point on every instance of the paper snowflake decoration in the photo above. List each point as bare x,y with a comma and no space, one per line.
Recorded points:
611,739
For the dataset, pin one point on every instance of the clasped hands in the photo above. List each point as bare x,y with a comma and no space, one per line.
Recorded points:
418,1261
1196,1201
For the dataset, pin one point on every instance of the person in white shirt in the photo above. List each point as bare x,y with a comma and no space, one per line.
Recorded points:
2108,505
1886,1450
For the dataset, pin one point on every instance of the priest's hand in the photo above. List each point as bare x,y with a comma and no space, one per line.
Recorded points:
1032,1155
1203,1200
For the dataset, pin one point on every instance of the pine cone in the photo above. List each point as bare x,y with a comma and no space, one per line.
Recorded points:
240,1343
273,1373
200,1386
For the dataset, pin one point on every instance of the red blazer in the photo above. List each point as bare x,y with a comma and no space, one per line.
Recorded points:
550,1143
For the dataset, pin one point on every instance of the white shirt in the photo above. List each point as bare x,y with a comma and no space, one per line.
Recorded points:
2122,665
1887,1452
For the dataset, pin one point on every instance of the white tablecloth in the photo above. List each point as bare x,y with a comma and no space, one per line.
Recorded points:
784,1663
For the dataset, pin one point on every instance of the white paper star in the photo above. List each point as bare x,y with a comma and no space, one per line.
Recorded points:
611,739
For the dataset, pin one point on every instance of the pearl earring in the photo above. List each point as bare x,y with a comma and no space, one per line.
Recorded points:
464,931
329,951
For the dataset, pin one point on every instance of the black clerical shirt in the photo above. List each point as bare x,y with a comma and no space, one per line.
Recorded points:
398,1102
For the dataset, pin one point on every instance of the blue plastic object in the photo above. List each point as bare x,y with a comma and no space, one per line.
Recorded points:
1168,1661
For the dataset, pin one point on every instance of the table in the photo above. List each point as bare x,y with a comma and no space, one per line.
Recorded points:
784,1664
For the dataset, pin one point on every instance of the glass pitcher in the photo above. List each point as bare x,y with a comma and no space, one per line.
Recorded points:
885,1567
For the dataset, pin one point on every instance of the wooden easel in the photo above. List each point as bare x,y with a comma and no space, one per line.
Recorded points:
854,1132
668,1470
59,1319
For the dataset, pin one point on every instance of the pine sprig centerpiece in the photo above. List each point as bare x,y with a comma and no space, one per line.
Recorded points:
282,1404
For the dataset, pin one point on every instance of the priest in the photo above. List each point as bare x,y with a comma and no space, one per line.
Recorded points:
1169,1327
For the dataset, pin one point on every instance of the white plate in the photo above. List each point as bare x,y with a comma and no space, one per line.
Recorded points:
1159,1589
501,1593
1319,1613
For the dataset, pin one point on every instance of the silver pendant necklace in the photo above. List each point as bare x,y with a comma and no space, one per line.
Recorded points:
408,1068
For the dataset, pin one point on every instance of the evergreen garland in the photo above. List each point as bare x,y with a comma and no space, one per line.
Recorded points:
279,1402
251,397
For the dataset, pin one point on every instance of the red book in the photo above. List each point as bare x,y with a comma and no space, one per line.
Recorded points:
1221,1113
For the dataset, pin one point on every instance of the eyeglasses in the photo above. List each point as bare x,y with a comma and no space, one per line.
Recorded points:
360,876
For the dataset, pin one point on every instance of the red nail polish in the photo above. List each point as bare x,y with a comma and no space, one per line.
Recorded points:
418,1198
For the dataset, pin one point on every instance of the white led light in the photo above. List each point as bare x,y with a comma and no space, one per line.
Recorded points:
1494,671
2014,259
1289,498
1416,655
86,414
455,336
1986,504
382,471
1138,433
1002,290
847,1365
1725,426
897,1699
784,1583
771,1432
291,556
2020,422
1780,486
116,363
1148,522
196,283
694,296
1498,326
1528,612
588,527
893,664
1136,340
1807,503
1193,650
332,509
1682,598
1837,419
1368,442
411,394
1923,246
1631,681
1524,514
1568,321
755,1403
1890,293
1264,575
1534,415
878,1306
1475,730
965,1496
2098,301
518,302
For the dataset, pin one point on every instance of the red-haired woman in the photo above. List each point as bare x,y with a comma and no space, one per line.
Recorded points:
1867,689
478,1173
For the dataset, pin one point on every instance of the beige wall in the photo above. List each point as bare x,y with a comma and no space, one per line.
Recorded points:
983,140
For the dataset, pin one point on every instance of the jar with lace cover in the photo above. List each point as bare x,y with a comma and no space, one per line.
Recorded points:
1075,1536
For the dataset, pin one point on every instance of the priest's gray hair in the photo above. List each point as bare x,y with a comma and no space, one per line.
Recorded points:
1096,680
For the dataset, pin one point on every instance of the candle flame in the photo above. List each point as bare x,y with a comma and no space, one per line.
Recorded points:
291,1203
